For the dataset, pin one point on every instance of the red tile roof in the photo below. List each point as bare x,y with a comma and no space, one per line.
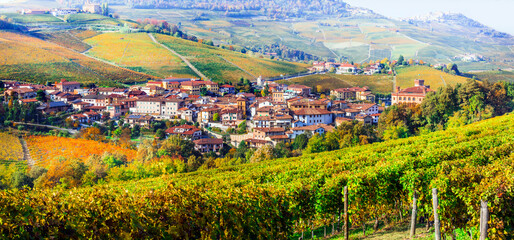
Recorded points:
311,111
204,141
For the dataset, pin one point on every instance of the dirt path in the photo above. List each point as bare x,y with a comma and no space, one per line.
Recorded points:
26,153
200,74
71,131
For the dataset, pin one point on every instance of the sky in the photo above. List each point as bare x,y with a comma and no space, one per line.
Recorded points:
498,14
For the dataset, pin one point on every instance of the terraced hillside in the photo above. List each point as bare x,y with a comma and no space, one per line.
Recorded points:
282,198
27,58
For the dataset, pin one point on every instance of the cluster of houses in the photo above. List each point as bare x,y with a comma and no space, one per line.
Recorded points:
344,68
282,115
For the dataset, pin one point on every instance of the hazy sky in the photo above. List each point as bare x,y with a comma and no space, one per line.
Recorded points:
498,14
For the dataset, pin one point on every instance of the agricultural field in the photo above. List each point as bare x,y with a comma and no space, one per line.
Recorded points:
83,34
220,64
377,83
284,198
39,18
46,149
87,18
433,77
493,76
10,147
65,39
138,52
31,59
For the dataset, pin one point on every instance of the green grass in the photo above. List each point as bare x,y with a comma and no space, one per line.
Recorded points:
38,18
377,83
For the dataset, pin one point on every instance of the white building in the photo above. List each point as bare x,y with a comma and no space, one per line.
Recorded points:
311,116
346,68
160,108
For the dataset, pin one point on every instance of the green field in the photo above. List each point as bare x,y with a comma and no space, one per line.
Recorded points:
377,83
38,18
433,77
220,64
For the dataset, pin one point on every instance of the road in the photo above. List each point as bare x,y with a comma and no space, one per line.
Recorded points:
71,131
180,56
288,77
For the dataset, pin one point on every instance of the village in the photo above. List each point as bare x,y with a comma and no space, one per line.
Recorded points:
277,114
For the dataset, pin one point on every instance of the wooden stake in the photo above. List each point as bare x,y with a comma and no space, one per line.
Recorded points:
413,217
437,224
346,212
484,217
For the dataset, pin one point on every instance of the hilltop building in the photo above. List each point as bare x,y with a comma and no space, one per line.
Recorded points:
412,95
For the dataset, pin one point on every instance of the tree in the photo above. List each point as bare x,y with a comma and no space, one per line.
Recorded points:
92,133
242,127
281,151
105,9
216,117
401,59
136,131
204,91
264,153
241,150
453,68
300,142
396,132
41,95
319,88
160,134
177,147
316,144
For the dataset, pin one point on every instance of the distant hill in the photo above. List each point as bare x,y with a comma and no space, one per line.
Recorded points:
28,58
333,30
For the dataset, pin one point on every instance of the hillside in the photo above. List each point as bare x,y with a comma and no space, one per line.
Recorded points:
351,34
138,52
278,199
377,83
31,59
220,64
433,77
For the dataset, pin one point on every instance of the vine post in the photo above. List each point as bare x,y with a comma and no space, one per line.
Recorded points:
484,217
413,217
346,212
437,224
